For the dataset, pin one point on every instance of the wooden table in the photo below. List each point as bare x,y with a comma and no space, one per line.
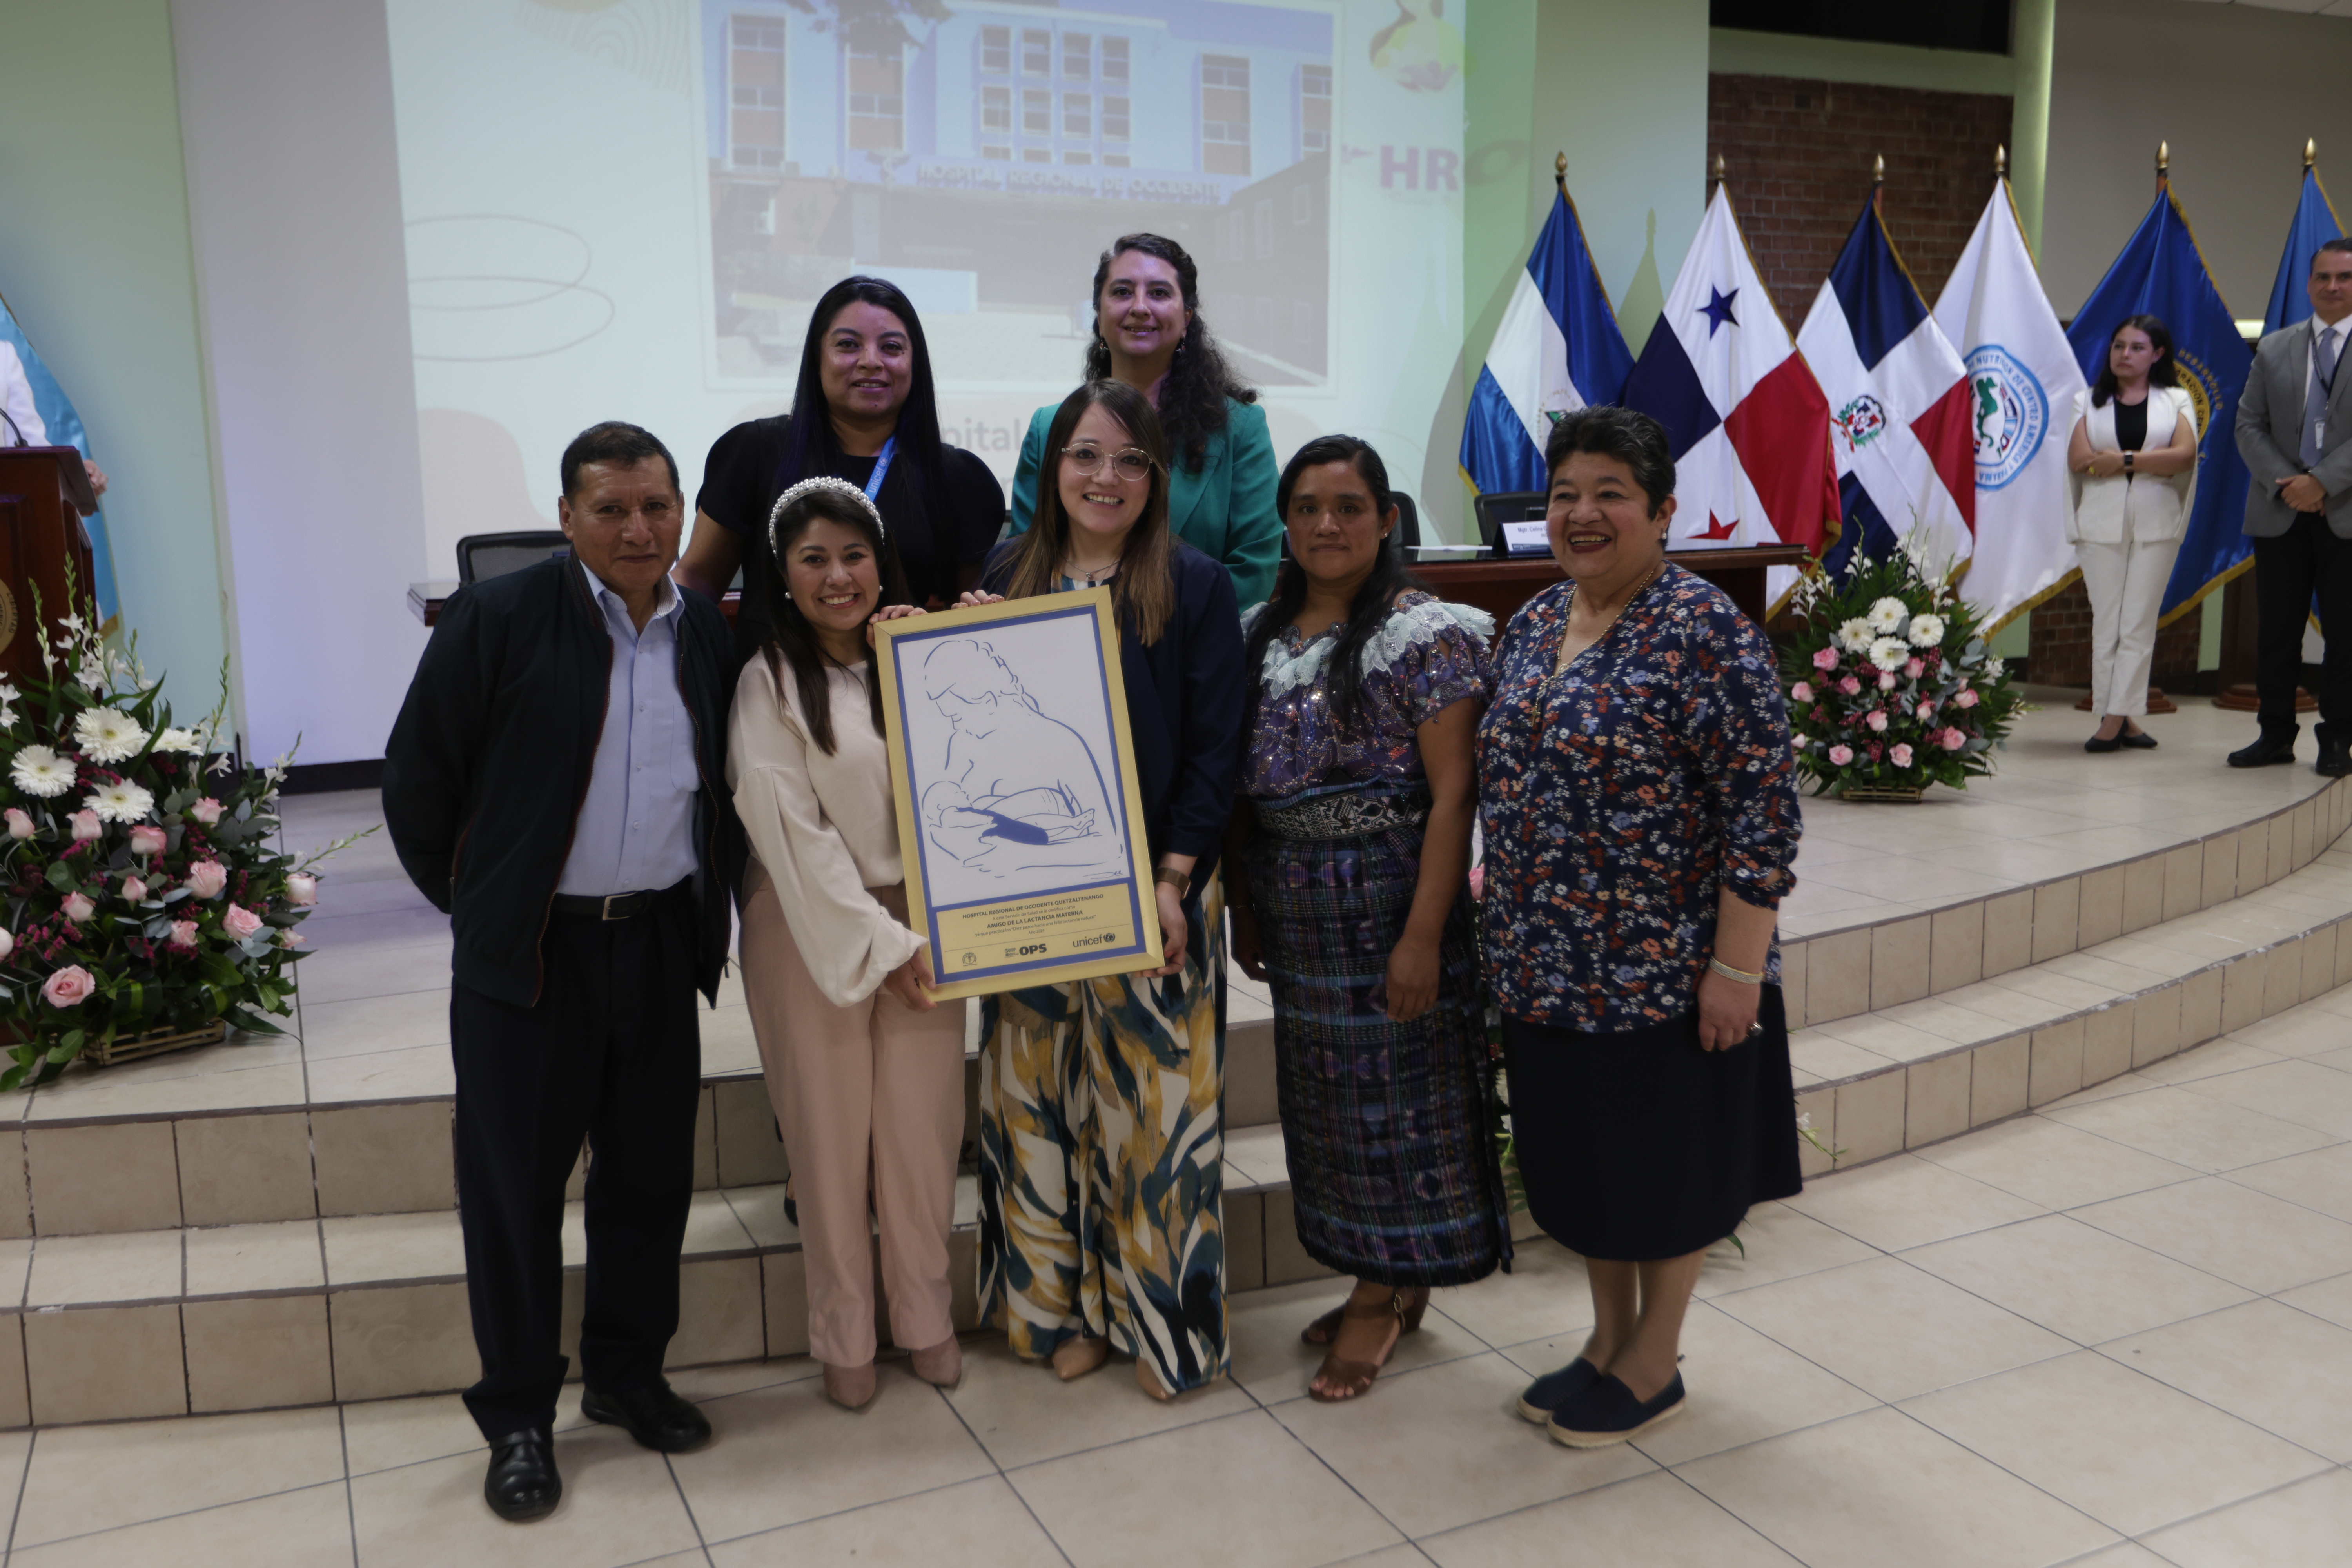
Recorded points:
1497,588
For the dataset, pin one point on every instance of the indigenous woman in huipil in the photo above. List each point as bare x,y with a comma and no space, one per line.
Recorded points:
1348,878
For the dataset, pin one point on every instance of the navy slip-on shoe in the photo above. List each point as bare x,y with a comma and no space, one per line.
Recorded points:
1607,1412
1553,1389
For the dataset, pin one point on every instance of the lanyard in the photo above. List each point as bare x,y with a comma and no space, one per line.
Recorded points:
881,467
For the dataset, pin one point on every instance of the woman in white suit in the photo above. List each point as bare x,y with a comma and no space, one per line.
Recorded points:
2134,459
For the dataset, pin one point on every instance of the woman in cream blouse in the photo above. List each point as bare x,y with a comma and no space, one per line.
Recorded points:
2134,459
865,1068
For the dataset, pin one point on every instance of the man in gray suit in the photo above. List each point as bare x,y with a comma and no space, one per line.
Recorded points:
2294,430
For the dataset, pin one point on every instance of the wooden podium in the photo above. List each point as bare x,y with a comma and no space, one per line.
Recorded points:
44,495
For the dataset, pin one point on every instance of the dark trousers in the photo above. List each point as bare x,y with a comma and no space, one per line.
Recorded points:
611,1053
2307,559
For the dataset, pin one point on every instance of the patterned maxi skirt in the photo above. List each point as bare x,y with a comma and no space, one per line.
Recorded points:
1102,1163
1395,1174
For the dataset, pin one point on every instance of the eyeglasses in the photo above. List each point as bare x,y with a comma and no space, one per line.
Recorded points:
1130,462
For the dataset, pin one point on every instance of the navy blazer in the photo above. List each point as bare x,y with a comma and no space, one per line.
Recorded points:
1184,699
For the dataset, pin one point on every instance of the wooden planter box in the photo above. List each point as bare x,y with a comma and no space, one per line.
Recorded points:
1886,794
151,1043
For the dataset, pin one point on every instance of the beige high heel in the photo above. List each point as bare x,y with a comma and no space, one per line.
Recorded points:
940,1365
851,1387
1073,1359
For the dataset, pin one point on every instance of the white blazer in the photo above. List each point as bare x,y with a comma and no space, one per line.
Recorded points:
2156,509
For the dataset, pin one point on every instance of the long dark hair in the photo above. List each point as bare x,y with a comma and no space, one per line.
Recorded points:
791,639
812,446
1144,590
2163,373
1193,398
1373,600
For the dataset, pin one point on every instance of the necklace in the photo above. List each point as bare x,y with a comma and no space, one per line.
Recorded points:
1569,647
1091,579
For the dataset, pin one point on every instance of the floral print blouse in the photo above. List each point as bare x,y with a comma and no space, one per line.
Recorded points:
1428,655
1619,795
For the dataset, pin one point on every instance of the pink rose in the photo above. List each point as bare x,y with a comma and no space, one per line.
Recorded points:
1876,720
78,909
1478,882
19,825
1965,699
301,890
206,811
1915,668
147,839
134,891
206,878
1802,693
1841,755
7,942
1926,710
294,938
1850,686
1951,740
69,987
183,934
1887,680
1900,754
1825,658
241,923
85,826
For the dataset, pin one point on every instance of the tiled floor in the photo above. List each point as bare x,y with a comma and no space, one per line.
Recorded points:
2116,1332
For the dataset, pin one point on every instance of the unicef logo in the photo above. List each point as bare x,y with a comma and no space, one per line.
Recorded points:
2008,410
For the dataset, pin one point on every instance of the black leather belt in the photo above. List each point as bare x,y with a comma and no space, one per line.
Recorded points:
607,906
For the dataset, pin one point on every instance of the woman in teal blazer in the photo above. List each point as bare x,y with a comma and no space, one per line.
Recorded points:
1149,334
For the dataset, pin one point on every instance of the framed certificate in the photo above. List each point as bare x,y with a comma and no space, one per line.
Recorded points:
1020,818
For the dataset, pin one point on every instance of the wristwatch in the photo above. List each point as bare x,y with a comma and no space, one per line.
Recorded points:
2127,462
1180,880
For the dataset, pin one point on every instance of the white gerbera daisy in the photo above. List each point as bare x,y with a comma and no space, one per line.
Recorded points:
1926,631
1889,653
1887,615
40,771
176,739
120,803
108,735
1855,634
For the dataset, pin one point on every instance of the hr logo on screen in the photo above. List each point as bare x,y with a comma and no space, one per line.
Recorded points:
2009,413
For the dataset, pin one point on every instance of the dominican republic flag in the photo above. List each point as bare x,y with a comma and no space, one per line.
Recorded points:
1748,425
2022,379
1898,401
2314,223
1558,350
2162,273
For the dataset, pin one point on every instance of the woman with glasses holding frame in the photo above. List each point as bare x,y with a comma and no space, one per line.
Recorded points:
1101,1141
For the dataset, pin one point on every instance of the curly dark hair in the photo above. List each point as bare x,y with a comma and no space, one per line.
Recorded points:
1193,398
1628,435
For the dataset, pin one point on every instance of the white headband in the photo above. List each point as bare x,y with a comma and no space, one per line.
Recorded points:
808,487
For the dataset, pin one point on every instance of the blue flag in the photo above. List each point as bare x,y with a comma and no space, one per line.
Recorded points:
64,429
2162,273
2315,222
1557,351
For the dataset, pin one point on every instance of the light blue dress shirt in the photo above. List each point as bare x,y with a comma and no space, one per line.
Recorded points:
635,831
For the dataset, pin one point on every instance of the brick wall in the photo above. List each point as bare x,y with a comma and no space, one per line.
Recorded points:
1798,159
2061,643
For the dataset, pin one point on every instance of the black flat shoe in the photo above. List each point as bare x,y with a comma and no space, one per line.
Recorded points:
2141,742
2096,744
1554,1389
2268,752
2334,759
1607,1412
654,1416
523,1484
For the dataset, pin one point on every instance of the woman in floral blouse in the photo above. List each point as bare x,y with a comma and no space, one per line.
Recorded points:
1348,878
1639,807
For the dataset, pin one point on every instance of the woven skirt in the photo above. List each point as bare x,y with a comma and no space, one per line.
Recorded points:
1394,1173
1639,1146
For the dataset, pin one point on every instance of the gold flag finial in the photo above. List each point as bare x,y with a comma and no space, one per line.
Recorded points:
2000,162
2310,152
1719,169
1559,172
2163,159
1878,170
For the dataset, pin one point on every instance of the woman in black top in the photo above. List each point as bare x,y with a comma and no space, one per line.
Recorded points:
866,366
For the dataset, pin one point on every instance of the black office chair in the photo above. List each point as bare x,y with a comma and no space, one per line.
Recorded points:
1408,519
1507,506
482,556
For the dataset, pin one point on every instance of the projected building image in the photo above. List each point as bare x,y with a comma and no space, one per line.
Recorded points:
981,156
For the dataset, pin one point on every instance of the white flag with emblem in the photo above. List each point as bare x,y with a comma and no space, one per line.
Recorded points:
2023,378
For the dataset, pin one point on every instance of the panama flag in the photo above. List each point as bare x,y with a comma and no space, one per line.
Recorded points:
1557,351
1898,401
2023,378
1749,425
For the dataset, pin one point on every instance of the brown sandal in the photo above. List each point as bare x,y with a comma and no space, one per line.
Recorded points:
1324,1328
1338,1381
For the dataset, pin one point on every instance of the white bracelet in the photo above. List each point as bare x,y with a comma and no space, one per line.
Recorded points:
1739,975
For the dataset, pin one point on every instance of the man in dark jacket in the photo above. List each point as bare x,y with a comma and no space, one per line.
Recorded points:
556,781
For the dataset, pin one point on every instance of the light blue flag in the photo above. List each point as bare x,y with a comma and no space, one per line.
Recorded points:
2162,273
1557,351
2314,223
57,411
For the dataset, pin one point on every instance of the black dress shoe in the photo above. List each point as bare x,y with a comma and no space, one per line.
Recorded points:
2138,740
2334,759
523,1484
2265,752
2114,743
654,1416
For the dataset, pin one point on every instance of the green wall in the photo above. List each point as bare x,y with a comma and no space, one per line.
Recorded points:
96,265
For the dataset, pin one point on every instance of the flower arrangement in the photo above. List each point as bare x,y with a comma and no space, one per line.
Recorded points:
1887,681
142,892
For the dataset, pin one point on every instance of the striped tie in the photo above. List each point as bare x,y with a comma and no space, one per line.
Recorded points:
2315,401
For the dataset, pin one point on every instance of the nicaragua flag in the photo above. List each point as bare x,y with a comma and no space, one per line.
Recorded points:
1898,399
1747,422
1557,351
2162,273
2315,222
2022,379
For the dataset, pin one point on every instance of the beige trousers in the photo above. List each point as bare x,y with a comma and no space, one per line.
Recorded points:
2126,585
872,1091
